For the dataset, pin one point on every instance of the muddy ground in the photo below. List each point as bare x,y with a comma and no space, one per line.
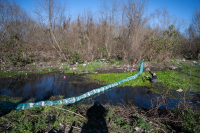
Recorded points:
108,68
131,68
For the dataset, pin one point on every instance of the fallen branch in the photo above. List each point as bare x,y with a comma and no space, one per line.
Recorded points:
75,127
167,119
69,111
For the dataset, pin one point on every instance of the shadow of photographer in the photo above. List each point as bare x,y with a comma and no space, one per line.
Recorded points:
96,119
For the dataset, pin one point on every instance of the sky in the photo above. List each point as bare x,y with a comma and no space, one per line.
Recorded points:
180,8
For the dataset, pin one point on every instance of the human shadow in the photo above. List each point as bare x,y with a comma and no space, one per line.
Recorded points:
96,121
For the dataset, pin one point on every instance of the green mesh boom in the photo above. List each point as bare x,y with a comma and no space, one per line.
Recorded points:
71,100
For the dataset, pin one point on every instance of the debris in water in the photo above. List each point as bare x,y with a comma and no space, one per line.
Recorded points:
7,125
179,90
54,131
86,72
194,61
172,67
61,125
74,68
138,129
145,64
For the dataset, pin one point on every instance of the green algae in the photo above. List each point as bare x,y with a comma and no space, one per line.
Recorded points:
10,99
169,78
4,74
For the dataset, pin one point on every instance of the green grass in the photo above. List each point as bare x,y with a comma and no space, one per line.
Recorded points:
21,73
169,78
116,62
175,63
190,117
89,67
64,66
36,119
18,99
114,77
10,99
47,118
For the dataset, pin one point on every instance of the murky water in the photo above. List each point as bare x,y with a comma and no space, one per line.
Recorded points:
43,87
143,97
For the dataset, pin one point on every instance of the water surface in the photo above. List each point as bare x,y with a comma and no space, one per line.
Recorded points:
43,87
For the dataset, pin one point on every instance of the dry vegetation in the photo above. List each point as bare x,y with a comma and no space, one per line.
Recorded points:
121,29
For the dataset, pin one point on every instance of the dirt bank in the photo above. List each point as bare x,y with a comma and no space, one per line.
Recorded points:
107,66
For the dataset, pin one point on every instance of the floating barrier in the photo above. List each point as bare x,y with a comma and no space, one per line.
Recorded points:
67,101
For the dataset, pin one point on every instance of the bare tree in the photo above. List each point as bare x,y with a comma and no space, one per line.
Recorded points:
11,16
51,13
196,22
194,33
135,10
109,12
163,17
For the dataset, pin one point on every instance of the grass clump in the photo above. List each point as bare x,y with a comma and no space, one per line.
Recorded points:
53,98
64,67
142,123
10,99
21,73
175,63
118,61
190,119
89,68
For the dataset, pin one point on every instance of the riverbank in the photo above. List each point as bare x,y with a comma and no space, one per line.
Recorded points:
125,118
174,74
100,118
96,66
102,66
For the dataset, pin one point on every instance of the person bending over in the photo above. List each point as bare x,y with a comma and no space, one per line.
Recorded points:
154,77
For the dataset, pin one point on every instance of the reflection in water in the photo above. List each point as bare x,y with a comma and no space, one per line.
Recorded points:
42,87
139,96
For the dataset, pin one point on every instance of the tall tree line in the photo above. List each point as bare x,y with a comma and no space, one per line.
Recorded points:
121,29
